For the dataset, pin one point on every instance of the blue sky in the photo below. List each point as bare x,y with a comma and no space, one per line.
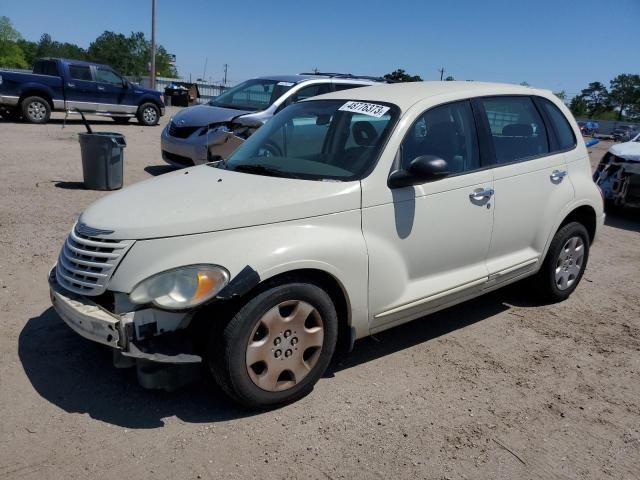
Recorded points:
556,44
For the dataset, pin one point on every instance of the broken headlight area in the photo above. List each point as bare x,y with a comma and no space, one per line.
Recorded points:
619,180
229,128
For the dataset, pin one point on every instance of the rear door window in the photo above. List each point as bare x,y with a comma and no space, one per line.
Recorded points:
311,91
80,72
516,128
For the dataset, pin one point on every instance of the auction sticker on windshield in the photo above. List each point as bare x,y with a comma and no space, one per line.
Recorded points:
371,109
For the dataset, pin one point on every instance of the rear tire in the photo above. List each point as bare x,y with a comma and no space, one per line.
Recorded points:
564,264
276,347
35,110
148,114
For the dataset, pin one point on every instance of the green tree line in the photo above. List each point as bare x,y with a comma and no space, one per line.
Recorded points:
621,101
128,55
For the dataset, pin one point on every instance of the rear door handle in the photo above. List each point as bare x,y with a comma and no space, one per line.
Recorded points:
72,85
558,175
480,194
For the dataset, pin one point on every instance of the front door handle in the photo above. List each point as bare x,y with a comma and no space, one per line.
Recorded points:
557,175
71,85
100,88
480,194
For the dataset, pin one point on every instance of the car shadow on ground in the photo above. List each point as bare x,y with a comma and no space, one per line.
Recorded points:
78,375
156,170
626,219
69,185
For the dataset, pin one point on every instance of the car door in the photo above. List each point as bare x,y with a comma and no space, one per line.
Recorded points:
80,88
113,94
529,182
428,243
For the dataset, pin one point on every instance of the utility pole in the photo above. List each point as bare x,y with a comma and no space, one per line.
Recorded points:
153,45
226,68
441,70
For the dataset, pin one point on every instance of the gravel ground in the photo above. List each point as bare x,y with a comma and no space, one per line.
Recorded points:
497,388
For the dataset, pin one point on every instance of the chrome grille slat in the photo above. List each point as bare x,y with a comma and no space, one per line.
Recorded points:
86,263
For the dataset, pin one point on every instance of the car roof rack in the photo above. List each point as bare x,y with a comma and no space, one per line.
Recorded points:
348,76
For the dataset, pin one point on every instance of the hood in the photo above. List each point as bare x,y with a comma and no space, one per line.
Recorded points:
630,151
201,115
206,199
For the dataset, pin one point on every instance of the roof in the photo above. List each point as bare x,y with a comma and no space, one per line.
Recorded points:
75,62
406,94
301,77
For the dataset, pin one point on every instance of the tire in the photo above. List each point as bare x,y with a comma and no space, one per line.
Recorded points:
35,110
121,120
564,264
148,114
254,357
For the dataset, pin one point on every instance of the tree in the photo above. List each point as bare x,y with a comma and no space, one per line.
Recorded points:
578,106
525,84
624,92
449,79
400,75
130,55
562,95
11,55
596,97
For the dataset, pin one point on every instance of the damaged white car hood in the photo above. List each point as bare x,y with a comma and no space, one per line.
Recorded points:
206,199
630,151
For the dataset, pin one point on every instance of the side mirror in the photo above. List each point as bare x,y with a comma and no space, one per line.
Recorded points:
423,169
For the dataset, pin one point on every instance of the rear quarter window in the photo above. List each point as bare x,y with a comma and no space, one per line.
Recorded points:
46,67
564,133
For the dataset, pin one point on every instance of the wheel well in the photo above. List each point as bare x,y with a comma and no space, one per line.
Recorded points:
585,215
36,93
149,100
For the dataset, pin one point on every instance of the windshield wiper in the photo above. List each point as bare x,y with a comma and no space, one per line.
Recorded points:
264,170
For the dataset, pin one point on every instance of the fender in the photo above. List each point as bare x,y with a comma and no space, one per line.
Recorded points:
332,243
34,88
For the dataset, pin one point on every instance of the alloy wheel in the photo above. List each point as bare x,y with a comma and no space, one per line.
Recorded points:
570,262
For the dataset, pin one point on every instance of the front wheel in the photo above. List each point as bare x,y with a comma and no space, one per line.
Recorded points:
276,347
148,114
565,263
36,110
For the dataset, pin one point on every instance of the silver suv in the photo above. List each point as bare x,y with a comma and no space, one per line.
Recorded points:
210,132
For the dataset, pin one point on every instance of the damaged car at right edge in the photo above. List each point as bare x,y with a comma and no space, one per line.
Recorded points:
618,174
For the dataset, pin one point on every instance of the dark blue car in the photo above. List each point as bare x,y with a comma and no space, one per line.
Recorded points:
58,85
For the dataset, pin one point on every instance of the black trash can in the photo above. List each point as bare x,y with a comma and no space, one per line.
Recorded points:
102,160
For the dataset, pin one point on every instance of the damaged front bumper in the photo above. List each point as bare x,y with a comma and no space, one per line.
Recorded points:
136,336
619,180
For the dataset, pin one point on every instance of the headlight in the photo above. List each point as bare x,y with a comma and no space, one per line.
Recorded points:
180,288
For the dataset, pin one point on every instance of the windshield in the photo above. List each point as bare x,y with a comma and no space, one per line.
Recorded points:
253,95
318,140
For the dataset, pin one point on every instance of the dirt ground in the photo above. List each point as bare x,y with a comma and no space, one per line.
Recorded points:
497,388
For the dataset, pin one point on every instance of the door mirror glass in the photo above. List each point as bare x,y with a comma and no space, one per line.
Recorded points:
423,169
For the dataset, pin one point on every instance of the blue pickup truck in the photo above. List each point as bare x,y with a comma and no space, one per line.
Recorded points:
58,85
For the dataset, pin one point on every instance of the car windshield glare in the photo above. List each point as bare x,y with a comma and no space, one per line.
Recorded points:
318,140
252,95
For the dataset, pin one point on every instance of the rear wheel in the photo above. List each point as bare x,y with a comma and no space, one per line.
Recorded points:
565,263
36,110
276,347
148,114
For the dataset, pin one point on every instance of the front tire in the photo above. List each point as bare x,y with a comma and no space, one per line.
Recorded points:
36,110
148,114
276,346
565,263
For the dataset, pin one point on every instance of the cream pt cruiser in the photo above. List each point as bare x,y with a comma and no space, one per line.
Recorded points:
344,215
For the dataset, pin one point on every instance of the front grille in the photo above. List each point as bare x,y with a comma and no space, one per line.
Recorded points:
181,132
179,159
86,263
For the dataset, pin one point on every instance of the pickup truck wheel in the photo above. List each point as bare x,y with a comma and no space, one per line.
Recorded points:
276,347
565,263
148,114
36,110
121,120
